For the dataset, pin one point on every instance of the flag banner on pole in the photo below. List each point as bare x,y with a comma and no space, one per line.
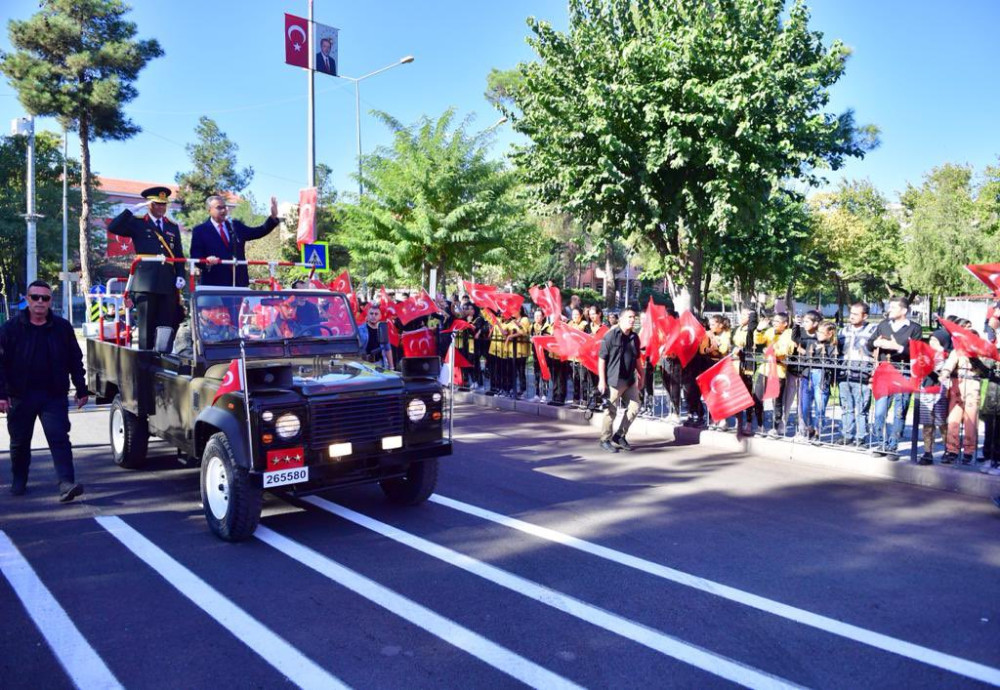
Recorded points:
306,233
419,343
989,274
723,390
415,307
327,42
296,41
232,381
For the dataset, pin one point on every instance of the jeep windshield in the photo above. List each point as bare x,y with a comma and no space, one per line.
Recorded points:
273,316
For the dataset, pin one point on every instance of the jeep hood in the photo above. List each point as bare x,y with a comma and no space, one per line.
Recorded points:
338,376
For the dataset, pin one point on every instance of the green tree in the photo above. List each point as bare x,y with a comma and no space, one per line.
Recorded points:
48,203
214,171
434,199
675,122
77,60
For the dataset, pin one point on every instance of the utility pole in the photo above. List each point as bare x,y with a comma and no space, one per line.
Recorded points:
67,297
26,126
311,124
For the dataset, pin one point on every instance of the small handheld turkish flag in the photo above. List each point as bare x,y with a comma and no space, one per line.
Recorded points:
419,343
509,303
989,274
541,342
342,283
968,343
306,233
415,307
688,338
590,352
231,382
772,385
548,300
923,357
888,380
296,41
569,339
723,390
481,295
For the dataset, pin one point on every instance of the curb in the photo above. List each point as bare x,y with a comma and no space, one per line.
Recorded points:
966,482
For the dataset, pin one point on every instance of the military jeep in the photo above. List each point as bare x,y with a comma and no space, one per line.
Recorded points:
268,391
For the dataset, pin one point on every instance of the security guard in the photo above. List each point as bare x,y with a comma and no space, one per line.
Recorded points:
154,285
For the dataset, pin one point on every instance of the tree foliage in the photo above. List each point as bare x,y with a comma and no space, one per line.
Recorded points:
77,60
433,199
48,203
677,123
214,171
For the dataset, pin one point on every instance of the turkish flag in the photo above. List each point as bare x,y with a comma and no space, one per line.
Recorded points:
415,307
569,339
541,342
231,382
458,325
548,299
510,304
457,358
968,343
386,305
657,328
306,233
119,246
393,334
772,385
419,343
888,380
481,295
590,352
342,283
723,390
296,41
923,357
989,274
686,340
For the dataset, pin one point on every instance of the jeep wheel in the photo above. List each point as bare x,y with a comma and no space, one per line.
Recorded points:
129,437
415,486
230,500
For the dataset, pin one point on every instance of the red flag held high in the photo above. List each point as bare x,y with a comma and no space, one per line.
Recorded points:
481,295
306,233
509,303
231,382
548,299
342,283
772,385
723,390
415,307
540,342
989,274
687,338
968,343
888,380
419,343
296,41
569,340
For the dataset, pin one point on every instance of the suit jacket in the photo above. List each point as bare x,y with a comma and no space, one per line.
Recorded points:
148,241
206,241
321,68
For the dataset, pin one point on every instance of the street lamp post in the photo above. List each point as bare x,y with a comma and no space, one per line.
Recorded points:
357,108
26,126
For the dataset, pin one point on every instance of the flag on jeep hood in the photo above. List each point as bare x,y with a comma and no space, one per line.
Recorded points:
232,381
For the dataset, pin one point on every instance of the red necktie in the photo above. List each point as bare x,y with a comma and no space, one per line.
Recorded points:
224,235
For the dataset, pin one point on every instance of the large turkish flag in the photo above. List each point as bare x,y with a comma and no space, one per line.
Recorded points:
296,41
723,390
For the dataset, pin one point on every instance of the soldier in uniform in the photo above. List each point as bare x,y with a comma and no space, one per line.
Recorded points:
155,286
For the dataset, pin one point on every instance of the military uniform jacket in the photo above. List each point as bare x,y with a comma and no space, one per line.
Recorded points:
148,241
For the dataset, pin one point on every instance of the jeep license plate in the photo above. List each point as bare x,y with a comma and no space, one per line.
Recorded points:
282,477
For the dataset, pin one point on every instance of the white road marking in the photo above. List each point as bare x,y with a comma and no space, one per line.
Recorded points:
478,646
82,664
954,664
272,648
710,662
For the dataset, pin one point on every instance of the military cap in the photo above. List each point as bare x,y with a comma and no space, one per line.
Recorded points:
159,195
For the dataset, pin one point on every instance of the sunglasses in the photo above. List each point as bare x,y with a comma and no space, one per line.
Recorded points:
43,298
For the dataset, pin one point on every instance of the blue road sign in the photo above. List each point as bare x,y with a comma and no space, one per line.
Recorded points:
318,254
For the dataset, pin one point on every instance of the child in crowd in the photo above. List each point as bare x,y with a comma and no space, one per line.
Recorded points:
934,406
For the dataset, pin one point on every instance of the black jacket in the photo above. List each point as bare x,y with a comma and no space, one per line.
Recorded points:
148,241
64,357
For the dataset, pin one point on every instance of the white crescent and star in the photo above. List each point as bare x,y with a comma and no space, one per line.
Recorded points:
296,28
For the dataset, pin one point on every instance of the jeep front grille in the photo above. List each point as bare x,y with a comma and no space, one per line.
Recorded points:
359,419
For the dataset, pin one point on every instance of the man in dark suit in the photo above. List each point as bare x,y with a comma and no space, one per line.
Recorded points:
219,238
155,286
324,61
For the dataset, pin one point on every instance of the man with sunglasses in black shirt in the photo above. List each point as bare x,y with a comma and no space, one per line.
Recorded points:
38,356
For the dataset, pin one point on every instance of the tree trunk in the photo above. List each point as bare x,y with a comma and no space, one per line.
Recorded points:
695,262
790,298
86,276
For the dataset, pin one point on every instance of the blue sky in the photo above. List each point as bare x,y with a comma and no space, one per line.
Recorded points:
924,72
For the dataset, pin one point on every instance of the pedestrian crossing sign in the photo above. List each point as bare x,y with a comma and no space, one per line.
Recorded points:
317,254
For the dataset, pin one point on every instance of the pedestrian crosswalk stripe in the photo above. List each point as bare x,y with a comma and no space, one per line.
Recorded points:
280,654
954,664
673,647
82,664
493,654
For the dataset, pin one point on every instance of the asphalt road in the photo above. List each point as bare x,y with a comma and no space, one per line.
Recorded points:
541,560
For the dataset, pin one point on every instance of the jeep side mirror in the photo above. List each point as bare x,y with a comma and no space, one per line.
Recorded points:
383,334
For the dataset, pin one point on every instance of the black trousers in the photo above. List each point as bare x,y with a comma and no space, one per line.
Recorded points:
151,311
670,370
558,368
53,411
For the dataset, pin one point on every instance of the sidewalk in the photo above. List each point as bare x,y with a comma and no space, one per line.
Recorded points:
963,480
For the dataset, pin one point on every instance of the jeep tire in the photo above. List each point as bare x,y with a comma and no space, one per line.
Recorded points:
414,487
229,498
129,436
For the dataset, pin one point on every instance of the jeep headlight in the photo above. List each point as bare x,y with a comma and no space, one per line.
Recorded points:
287,426
416,410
